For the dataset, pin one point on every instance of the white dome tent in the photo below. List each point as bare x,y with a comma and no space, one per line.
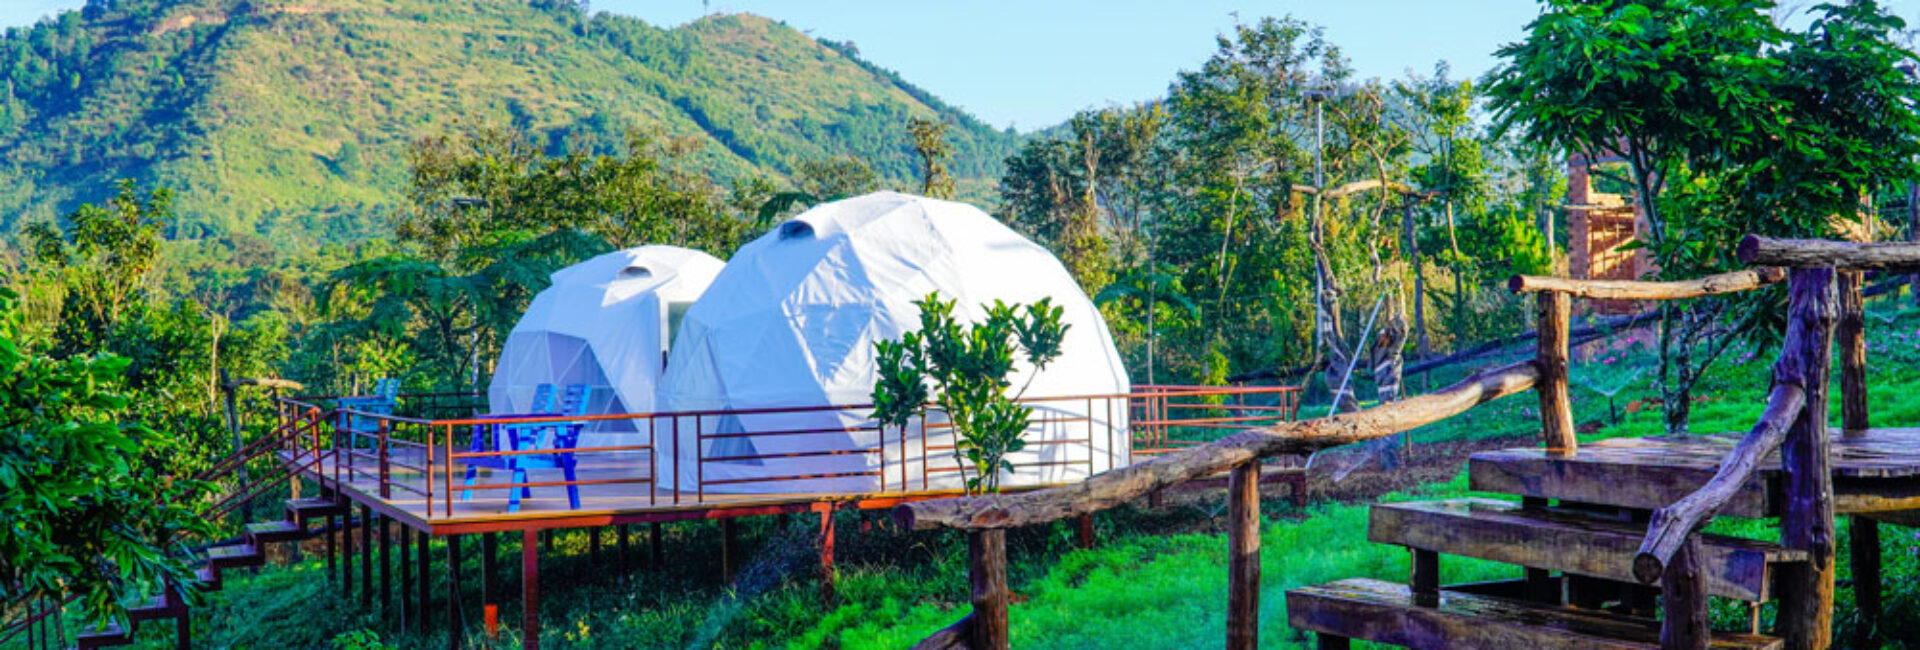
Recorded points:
606,323
792,322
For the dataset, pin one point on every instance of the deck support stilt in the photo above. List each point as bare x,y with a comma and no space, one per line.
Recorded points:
366,557
1083,530
346,554
424,563
183,632
826,553
728,539
489,569
593,548
1864,547
327,530
406,578
529,592
386,567
653,539
626,560
456,625
1243,557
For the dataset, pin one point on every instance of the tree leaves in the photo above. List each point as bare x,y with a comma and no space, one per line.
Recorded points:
963,370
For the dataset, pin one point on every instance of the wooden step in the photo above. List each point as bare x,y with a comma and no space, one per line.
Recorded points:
208,577
301,510
156,608
1390,613
1569,542
235,556
268,532
111,635
1612,473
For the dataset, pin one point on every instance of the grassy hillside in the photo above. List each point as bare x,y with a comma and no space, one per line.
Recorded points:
291,117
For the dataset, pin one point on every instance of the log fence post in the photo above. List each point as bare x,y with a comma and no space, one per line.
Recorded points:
1556,408
1684,590
987,571
1806,519
1851,332
1243,556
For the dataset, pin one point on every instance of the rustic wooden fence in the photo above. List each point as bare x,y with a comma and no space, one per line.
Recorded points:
1793,421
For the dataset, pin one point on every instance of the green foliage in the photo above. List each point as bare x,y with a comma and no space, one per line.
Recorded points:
1729,124
964,370
85,516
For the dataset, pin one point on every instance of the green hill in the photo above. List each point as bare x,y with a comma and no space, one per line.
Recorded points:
290,118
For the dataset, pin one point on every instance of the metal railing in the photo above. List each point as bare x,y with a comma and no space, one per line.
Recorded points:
701,457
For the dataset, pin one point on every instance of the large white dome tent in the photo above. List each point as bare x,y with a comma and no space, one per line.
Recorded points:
792,322
607,323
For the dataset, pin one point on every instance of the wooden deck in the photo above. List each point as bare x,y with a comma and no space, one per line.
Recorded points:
1875,471
601,504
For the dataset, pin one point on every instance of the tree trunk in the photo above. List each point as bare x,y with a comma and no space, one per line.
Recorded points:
1421,345
1913,234
1388,359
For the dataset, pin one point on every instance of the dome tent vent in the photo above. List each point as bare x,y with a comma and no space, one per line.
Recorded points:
795,229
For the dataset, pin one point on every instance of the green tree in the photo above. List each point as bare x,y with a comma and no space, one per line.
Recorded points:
1729,124
964,370
85,516
935,153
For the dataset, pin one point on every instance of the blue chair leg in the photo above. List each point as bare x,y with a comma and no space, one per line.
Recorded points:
573,491
513,496
467,494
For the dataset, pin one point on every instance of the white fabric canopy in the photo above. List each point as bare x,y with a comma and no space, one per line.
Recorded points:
605,322
792,322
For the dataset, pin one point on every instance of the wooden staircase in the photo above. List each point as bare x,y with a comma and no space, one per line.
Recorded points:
1575,535
248,551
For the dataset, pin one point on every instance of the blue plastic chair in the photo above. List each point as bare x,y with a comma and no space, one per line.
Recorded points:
556,437
485,439
385,397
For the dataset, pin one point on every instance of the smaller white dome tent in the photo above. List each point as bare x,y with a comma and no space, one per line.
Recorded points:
792,322
605,322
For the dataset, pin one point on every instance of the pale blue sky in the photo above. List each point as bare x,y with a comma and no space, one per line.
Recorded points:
1033,63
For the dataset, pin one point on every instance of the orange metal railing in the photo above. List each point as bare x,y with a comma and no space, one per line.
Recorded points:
689,457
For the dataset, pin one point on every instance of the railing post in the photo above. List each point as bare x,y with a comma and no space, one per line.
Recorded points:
386,470
987,570
1684,625
1852,334
1806,519
1243,557
1556,408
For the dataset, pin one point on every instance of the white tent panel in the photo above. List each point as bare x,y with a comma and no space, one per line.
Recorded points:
792,321
606,323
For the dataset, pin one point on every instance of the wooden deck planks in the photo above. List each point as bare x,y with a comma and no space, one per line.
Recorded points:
1872,471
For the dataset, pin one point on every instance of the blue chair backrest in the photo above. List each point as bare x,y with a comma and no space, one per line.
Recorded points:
575,400
542,399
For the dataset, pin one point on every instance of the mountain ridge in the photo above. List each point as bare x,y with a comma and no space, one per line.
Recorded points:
290,118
